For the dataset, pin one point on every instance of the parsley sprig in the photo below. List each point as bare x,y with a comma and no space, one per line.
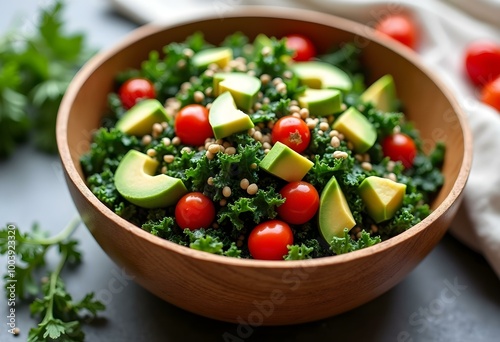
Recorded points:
61,317
35,70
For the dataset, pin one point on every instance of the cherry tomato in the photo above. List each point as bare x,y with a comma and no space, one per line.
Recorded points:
269,240
136,89
303,47
482,61
194,211
302,202
400,147
192,125
293,132
491,93
401,28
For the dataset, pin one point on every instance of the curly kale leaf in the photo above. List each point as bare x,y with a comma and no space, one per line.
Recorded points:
345,57
426,173
211,241
174,68
271,111
261,206
107,147
237,42
163,228
273,61
299,252
345,244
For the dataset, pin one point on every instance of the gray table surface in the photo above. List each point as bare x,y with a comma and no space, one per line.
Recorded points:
453,295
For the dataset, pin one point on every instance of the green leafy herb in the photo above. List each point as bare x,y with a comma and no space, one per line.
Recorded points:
345,244
61,317
296,252
35,71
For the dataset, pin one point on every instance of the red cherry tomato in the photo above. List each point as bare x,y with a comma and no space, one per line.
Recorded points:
303,47
302,202
491,93
293,132
136,89
400,147
482,61
192,125
401,28
269,240
194,211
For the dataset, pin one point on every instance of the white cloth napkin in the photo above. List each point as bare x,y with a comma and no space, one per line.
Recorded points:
446,30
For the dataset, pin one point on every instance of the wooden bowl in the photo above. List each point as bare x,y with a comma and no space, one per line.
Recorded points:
253,291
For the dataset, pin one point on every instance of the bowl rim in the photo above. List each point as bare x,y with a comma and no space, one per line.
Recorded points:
268,12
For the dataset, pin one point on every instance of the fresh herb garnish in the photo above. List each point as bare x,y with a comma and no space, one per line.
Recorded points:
35,70
61,317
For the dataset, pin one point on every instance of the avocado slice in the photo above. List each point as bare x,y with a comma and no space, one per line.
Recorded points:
285,163
321,102
382,94
357,129
319,75
334,213
134,180
225,118
139,119
243,87
219,55
382,197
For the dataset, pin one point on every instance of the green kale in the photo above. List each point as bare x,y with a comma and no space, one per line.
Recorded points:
273,61
169,72
163,228
210,241
345,244
106,150
345,57
299,252
237,42
426,175
246,210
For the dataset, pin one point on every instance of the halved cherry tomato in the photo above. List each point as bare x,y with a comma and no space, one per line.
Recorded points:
136,89
482,61
194,211
491,93
400,147
303,47
192,125
401,28
293,132
302,202
269,240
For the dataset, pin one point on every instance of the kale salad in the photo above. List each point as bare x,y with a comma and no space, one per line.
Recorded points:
261,149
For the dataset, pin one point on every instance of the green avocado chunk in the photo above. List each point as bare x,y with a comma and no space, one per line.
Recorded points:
382,94
334,213
135,181
139,119
219,55
357,129
285,163
243,87
321,102
319,75
225,118
382,197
